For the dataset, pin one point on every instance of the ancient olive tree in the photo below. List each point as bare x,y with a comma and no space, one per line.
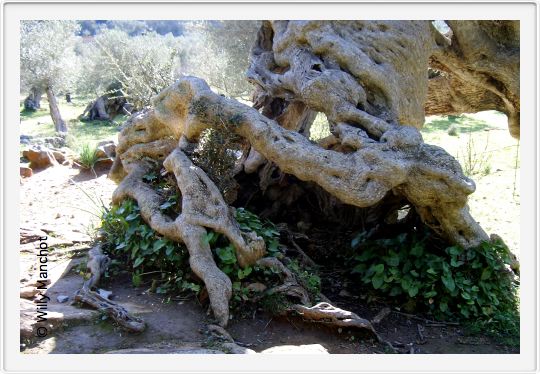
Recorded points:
370,79
48,63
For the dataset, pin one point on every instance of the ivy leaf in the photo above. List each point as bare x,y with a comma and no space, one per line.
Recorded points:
132,216
138,261
448,282
443,307
136,280
417,250
377,281
454,251
158,244
455,263
485,274
169,250
378,269
273,246
413,291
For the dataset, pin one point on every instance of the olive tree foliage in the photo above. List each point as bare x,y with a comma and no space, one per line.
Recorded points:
48,61
219,53
142,65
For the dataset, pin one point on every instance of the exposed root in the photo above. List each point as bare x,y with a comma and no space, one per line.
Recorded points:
330,315
203,205
202,263
289,285
97,264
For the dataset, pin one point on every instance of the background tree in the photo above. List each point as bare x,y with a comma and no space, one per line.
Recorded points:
219,53
138,66
48,61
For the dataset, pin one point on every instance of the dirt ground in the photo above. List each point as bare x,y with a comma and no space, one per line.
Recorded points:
62,201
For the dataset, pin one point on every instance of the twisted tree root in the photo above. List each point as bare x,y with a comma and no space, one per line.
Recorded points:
328,314
97,264
382,157
323,312
202,207
289,286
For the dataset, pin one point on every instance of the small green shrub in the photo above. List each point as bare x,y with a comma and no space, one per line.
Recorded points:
88,156
216,154
454,283
307,278
473,160
453,130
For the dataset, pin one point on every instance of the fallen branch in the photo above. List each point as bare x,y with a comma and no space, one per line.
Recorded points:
97,264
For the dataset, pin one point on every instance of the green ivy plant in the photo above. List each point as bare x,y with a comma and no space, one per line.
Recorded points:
132,244
153,259
472,284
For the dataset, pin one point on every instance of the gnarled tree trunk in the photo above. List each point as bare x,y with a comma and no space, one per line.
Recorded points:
108,105
370,79
33,100
59,124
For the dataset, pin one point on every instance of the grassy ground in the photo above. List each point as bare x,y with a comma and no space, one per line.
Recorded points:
488,154
39,124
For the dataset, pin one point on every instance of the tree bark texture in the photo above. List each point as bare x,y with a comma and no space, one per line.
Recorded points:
59,124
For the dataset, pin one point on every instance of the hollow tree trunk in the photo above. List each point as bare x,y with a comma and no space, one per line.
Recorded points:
370,80
33,100
59,124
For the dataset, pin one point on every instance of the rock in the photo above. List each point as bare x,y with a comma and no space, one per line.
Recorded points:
28,292
297,349
256,287
104,293
180,351
234,348
25,139
100,153
105,162
55,141
57,314
108,145
59,156
62,298
344,293
25,171
106,148
40,157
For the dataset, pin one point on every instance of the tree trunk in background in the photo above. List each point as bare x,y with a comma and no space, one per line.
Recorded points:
59,124
108,106
33,100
